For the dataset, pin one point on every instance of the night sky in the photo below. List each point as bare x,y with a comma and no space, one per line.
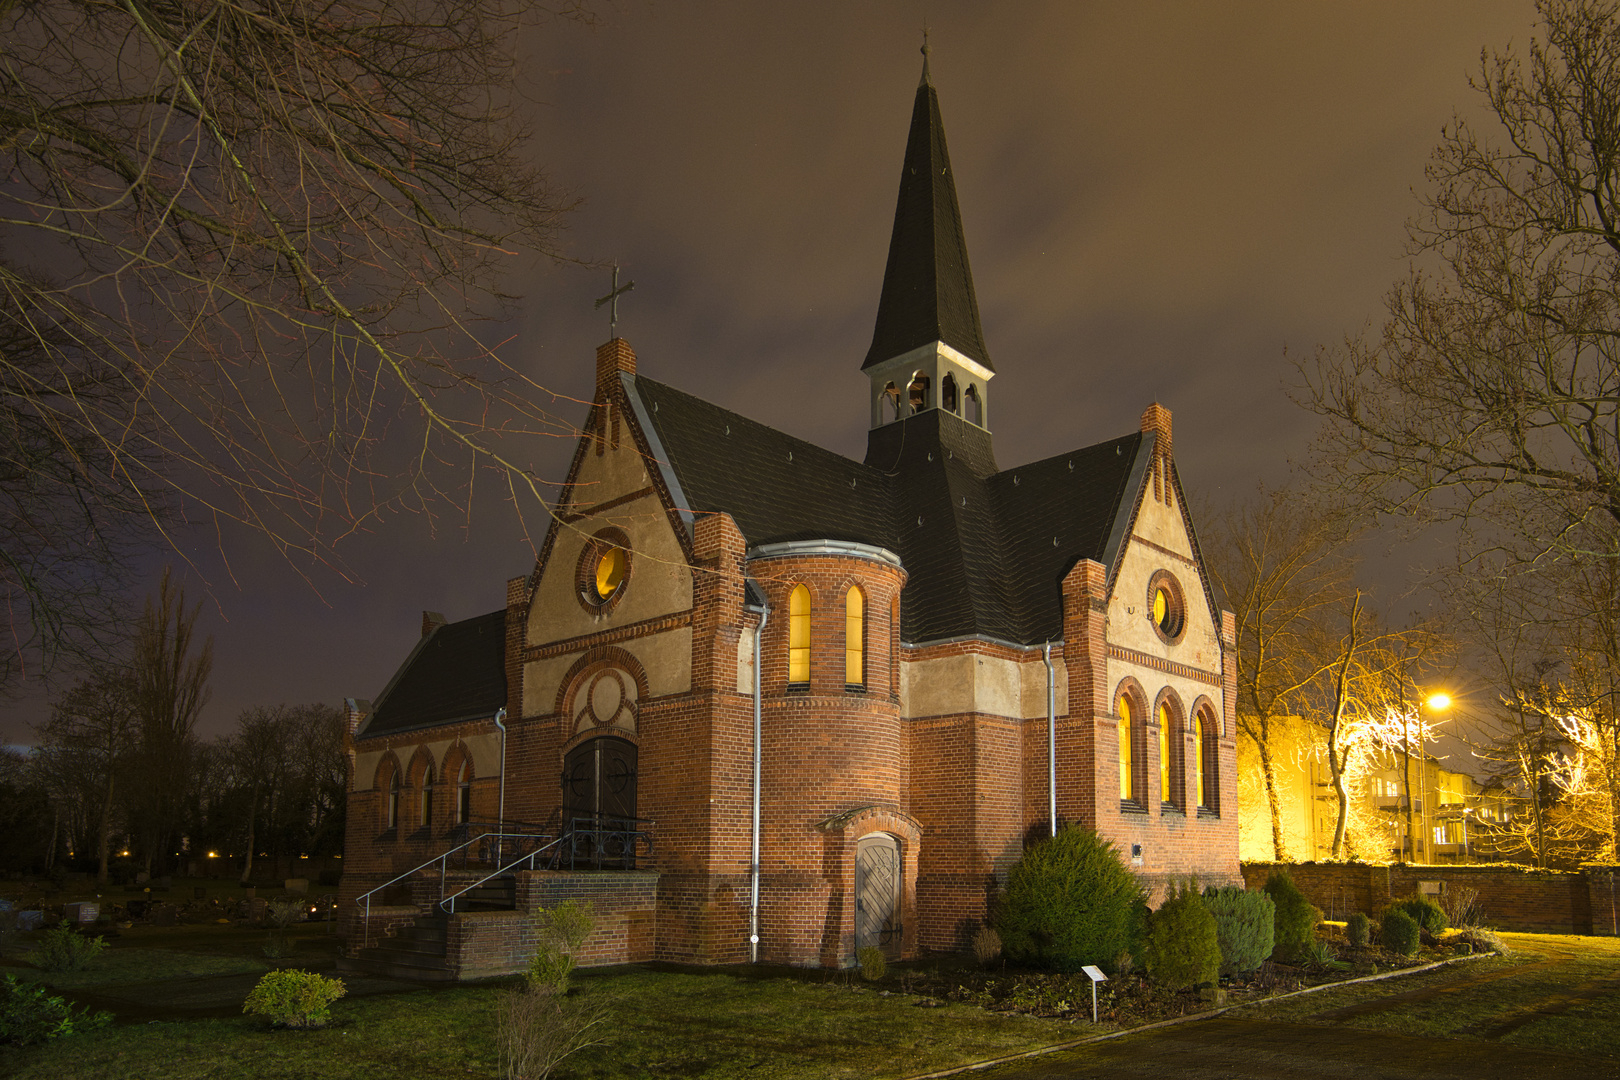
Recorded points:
1162,202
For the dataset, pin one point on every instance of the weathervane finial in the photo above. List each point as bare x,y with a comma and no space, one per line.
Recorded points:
925,81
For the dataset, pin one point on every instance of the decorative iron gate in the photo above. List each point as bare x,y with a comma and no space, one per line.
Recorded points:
877,893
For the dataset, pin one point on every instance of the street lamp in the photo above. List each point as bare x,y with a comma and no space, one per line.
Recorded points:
1436,702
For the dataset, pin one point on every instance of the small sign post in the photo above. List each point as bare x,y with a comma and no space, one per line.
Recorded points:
1096,976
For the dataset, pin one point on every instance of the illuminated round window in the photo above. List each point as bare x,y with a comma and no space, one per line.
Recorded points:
603,572
610,572
1167,606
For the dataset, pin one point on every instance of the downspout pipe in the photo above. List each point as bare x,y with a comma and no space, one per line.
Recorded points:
753,868
500,810
1051,739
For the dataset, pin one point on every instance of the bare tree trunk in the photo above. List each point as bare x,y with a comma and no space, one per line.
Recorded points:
252,836
104,841
1269,771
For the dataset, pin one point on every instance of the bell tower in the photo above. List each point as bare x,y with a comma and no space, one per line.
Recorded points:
928,350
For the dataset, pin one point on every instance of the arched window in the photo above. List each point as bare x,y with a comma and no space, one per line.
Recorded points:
1166,791
947,394
917,393
427,797
799,635
391,805
464,793
889,409
854,638
1208,769
1127,772
974,409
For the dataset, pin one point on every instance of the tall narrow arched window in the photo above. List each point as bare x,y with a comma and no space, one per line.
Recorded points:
799,635
1199,724
854,638
947,394
917,393
1127,778
464,793
427,796
1166,792
391,814
889,407
973,409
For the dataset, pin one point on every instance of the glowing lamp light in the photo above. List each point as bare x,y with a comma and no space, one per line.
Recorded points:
1439,702
213,854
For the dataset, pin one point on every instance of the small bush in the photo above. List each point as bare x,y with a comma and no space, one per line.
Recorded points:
536,1029
1429,916
1296,919
874,965
1245,924
295,999
560,931
1070,901
283,913
986,945
1182,947
1461,905
1481,940
28,1015
63,949
1399,934
1359,929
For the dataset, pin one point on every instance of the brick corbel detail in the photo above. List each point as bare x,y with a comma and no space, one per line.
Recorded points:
1086,737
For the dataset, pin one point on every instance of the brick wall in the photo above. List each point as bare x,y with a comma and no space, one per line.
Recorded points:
1512,898
479,944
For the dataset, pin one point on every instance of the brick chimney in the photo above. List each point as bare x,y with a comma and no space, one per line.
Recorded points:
1157,420
611,358
431,621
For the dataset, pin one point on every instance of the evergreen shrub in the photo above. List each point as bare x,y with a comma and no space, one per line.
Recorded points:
1245,925
294,998
28,1015
62,948
1296,919
1182,947
1071,901
1430,916
1359,929
1399,934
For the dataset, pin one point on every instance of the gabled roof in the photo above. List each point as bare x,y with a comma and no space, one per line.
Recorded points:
927,284
457,672
985,551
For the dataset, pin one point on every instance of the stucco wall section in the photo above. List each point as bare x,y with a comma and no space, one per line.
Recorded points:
1129,613
745,660
973,683
666,657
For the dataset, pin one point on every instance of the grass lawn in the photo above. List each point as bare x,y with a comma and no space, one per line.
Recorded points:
1554,992
666,1025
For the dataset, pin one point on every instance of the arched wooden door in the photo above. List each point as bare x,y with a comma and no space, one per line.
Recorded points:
877,893
599,780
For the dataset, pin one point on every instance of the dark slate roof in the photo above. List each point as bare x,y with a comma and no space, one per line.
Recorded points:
927,284
976,543
457,672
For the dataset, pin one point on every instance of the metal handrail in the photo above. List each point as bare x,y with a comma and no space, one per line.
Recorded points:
364,899
508,868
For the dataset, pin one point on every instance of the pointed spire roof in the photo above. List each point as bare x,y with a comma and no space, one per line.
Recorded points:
927,285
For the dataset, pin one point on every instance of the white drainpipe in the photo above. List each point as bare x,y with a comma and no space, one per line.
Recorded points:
1051,740
500,812
753,891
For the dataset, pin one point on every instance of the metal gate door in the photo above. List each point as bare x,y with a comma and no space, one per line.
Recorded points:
877,893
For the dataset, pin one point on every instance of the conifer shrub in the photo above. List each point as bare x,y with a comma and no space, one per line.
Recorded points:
295,999
1071,901
1182,948
1358,929
1430,916
1245,926
1399,934
62,948
1295,921
28,1015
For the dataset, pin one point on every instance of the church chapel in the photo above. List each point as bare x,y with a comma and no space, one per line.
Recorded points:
759,701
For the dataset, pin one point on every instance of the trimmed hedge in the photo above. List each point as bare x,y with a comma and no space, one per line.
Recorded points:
1071,901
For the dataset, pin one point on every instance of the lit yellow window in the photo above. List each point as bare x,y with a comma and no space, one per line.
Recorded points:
1127,788
799,635
1161,607
854,643
1198,732
1164,754
609,572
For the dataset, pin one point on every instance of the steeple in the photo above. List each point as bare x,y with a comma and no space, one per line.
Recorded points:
927,285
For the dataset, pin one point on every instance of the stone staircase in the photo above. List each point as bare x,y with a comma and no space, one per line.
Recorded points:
417,951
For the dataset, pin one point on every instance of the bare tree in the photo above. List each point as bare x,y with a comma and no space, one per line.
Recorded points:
171,687
91,737
246,248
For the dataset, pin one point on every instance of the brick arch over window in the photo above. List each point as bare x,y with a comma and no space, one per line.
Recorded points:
1131,712
460,773
1171,719
575,678
1206,729
422,773
388,779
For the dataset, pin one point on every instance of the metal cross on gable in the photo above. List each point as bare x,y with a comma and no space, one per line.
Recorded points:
613,298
